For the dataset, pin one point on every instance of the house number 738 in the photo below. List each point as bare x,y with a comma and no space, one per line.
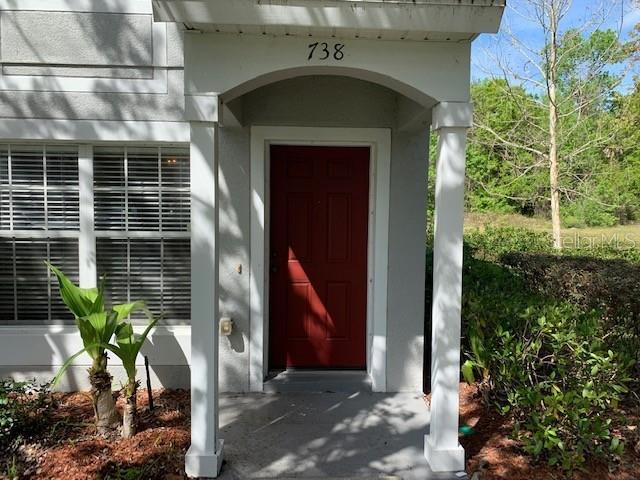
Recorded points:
322,51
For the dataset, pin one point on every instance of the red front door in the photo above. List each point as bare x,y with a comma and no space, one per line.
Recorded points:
318,288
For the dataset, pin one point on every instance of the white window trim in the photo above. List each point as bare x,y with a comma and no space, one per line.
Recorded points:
87,242
94,131
379,141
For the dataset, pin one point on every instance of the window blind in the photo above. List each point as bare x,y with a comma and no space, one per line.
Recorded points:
141,224
39,220
142,221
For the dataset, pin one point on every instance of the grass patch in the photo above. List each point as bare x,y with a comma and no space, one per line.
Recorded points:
619,236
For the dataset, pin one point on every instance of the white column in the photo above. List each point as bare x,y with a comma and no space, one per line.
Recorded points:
87,239
204,457
442,450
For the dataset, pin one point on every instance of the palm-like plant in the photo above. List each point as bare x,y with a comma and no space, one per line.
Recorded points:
95,330
127,349
96,325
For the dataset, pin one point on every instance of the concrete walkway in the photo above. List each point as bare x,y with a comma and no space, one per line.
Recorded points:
325,435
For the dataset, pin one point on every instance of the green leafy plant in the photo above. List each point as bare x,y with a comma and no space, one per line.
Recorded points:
24,410
96,325
95,330
13,471
127,348
543,336
561,384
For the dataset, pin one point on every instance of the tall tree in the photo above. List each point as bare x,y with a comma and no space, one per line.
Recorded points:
568,81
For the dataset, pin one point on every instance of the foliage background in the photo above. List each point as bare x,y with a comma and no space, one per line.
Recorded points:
599,135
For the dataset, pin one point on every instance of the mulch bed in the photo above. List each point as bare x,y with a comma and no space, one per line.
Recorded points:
69,450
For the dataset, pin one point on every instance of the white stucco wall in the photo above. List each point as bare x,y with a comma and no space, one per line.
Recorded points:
407,243
76,38
97,66
108,73
123,67
321,101
235,247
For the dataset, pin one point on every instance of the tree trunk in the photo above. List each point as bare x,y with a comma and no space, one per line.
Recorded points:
553,130
103,404
553,173
130,412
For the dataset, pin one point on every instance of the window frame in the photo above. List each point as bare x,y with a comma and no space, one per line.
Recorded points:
37,234
86,233
129,235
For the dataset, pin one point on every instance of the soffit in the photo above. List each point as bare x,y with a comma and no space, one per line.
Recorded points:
419,20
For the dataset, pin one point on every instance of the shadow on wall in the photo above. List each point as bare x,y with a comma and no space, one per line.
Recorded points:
95,105
234,200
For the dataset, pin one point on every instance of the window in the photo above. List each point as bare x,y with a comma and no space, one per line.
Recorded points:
141,225
39,220
142,217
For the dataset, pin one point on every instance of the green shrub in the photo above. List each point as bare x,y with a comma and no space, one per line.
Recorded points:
551,336
619,249
560,383
589,213
24,409
543,362
611,286
492,242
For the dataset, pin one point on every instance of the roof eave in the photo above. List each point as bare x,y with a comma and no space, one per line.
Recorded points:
436,16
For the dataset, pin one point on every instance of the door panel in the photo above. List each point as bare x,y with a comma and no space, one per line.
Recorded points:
318,286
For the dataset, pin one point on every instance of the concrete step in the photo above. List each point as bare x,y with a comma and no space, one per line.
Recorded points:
318,381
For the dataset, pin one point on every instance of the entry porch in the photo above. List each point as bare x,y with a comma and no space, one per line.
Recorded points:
288,103
356,435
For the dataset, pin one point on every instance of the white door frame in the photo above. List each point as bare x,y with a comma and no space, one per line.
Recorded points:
379,142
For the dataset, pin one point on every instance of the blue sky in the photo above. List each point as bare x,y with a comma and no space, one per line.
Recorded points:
485,48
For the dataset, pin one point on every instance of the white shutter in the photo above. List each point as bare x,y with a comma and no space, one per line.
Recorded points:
155,270
142,224
63,253
143,182
112,263
27,187
176,200
145,270
7,284
32,281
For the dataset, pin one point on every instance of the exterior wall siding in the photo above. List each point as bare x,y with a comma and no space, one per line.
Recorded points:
407,243
92,66
235,247
61,38
95,66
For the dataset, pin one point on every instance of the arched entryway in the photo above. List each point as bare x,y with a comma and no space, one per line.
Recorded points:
225,65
